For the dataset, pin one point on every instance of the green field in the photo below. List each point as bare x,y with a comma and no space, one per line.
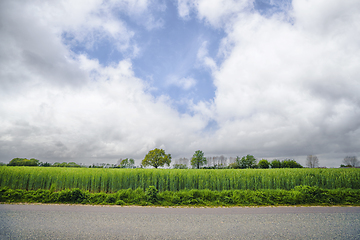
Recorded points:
113,180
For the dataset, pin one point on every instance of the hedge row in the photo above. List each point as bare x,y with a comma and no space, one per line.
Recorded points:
300,195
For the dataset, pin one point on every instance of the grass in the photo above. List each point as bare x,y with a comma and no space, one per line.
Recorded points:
112,180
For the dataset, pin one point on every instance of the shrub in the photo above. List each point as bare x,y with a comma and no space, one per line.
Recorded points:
151,194
110,198
120,202
298,195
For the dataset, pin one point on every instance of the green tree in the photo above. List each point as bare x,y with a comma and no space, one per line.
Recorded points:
46,164
24,162
248,162
198,159
65,164
72,164
275,163
127,163
156,158
96,165
290,163
180,166
57,164
263,163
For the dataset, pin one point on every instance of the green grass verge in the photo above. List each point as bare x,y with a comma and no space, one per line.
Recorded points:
300,195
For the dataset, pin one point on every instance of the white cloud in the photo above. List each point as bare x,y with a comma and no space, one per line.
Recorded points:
204,58
219,12
216,12
109,117
185,83
88,22
184,7
290,88
142,11
83,23
56,105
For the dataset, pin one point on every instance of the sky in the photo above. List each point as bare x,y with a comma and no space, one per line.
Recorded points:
95,81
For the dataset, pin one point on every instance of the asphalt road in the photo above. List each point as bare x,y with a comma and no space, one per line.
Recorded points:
113,222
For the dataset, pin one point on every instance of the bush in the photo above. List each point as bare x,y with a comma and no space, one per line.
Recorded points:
120,202
72,196
111,198
97,198
151,194
304,195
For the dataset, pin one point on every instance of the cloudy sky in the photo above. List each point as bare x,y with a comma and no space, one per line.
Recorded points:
94,81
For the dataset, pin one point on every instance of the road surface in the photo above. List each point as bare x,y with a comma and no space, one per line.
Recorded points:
32,221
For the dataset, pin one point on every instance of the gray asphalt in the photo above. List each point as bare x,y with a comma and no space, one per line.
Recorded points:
112,222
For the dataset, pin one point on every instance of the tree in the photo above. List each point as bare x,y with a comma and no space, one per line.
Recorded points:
180,166
235,164
248,162
198,159
97,165
351,161
72,164
264,164
65,164
156,158
24,162
312,161
127,163
275,163
46,164
290,163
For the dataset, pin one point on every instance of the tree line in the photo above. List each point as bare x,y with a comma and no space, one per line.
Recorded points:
158,158
32,162
35,162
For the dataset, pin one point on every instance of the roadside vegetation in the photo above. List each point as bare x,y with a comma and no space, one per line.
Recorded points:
210,182
300,195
